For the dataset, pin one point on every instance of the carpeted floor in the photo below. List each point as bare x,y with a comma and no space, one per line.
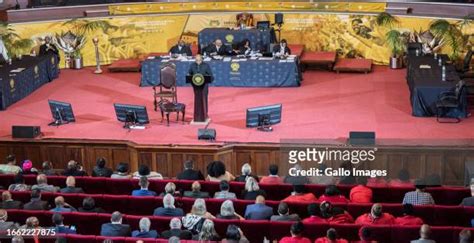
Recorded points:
326,107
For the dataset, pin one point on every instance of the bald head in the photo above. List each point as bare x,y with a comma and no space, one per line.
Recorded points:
71,181
196,186
3,215
41,179
425,231
260,200
6,195
59,201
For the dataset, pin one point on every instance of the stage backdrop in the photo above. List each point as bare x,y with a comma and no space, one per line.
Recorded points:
351,35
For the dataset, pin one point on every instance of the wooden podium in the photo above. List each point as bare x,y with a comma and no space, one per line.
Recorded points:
200,86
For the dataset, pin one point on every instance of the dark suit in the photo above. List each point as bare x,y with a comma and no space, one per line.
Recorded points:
11,205
92,210
291,217
205,70
115,230
149,234
245,50
52,49
71,190
190,174
182,234
102,172
258,212
468,201
223,50
194,194
64,230
36,205
184,50
168,212
243,178
277,48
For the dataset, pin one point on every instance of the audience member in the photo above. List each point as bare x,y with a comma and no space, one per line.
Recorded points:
465,236
258,211
296,180
10,166
365,235
17,239
144,231
216,171
234,235
350,179
376,216
115,227
31,223
228,211
296,231
299,195
47,169
35,202
71,186
196,191
340,216
144,170
100,170
361,193
9,203
246,173
27,168
323,179
419,196
224,191
19,184
333,195
176,231
313,211
284,214
168,208
173,239
252,190
408,218
331,237
469,201
376,182
122,171
88,206
4,224
62,206
74,169
208,232
189,173
403,179
143,191
59,225
273,177
425,232
193,221
170,188
42,184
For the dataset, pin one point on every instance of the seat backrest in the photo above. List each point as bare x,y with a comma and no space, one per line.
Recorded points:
168,75
467,60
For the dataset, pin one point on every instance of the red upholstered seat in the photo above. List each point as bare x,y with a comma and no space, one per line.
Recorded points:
31,179
380,233
143,205
296,49
468,213
448,215
100,239
85,223
21,196
347,231
314,231
353,65
448,195
404,234
444,234
94,185
145,240
319,56
6,180
59,181
390,195
221,225
278,230
111,203
255,230
20,216
120,186
276,192
76,238
357,209
158,186
209,186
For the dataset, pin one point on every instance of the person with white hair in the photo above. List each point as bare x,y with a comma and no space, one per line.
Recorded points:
176,231
252,190
4,223
228,211
208,232
170,188
193,220
246,173
145,231
168,208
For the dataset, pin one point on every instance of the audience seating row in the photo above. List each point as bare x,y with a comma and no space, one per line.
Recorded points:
94,185
434,215
74,238
89,224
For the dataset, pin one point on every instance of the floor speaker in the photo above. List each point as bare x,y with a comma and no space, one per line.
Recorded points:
361,138
25,131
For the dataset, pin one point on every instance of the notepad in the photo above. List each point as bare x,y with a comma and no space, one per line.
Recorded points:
425,66
18,70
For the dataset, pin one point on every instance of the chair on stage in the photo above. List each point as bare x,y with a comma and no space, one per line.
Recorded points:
448,101
167,94
465,71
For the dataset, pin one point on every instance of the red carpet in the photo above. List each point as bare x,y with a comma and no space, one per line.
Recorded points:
326,106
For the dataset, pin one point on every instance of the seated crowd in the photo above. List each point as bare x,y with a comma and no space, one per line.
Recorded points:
198,224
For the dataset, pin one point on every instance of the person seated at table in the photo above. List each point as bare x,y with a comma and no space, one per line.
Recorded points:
48,48
244,19
181,49
244,48
217,49
3,52
282,49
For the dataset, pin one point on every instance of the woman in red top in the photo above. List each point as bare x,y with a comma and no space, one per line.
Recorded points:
296,234
333,195
313,210
331,237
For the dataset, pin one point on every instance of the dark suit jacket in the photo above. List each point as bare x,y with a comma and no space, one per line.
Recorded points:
184,50
196,194
74,172
72,190
203,69
64,230
149,234
223,50
168,212
190,174
258,212
277,49
12,205
243,178
93,210
468,201
115,230
36,205
291,217
52,49
182,234
102,172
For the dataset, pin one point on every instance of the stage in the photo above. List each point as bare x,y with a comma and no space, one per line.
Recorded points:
326,107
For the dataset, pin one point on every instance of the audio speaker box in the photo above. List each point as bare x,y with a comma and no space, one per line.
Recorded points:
361,138
278,18
207,134
25,131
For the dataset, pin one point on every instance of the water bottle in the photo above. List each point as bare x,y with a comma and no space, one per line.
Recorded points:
440,62
443,73
417,52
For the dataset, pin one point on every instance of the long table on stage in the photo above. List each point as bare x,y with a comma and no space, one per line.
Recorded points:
426,85
248,73
259,39
15,86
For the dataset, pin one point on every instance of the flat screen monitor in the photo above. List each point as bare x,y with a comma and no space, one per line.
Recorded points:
131,114
263,115
61,112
